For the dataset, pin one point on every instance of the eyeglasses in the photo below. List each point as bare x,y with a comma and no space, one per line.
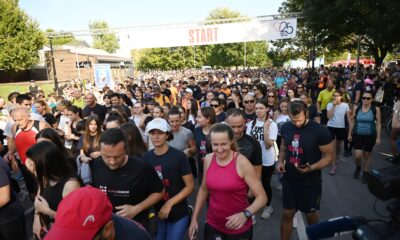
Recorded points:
248,101
214,105
366,98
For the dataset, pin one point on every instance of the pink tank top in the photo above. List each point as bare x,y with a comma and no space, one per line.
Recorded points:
228,195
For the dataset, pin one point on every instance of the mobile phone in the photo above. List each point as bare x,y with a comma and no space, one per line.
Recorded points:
304,165
193,236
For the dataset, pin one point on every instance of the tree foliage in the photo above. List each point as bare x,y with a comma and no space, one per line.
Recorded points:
217,55
102,37
61,38
339,24
20,37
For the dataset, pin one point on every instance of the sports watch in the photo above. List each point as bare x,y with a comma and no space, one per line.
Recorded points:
247,214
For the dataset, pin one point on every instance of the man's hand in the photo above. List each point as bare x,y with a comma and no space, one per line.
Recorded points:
165,210
280,167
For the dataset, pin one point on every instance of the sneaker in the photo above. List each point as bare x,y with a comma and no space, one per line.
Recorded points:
253,218
333,170
357,173
296,219
267,212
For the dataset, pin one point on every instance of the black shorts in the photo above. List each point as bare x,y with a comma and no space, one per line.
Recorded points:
324,117
364,142
338,133
306,199
211,233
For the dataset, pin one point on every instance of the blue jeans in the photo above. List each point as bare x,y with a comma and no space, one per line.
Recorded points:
172,230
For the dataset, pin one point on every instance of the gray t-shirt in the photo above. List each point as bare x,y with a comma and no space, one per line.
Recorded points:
181,139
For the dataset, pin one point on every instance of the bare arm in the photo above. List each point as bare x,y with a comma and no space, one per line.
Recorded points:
186,191
280,167
5,195
327,153
331,111
378,125
357,98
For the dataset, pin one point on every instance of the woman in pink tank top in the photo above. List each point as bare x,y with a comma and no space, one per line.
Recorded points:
227,177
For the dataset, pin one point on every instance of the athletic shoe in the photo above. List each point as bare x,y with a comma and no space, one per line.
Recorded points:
333,170
267,212
357,173
296,219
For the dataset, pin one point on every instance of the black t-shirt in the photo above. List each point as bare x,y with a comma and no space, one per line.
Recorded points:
98,110
130,184
251,149
50,119
189,125
126,229
250,117
167,93
359,86
196,91
170,168
302,147
202,145
312,112
13,209
220,117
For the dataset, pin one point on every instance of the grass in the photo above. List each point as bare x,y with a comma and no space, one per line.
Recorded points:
7,88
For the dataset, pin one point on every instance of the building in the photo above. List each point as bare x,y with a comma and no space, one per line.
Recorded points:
77,62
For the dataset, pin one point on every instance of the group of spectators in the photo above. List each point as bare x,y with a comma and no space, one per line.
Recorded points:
144,141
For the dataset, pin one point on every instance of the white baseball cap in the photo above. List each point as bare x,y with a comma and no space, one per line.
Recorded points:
158,123
188,90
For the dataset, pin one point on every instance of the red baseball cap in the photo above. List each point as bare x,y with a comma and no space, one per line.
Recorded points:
81,214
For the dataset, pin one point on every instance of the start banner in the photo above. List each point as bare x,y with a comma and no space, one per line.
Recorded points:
192,35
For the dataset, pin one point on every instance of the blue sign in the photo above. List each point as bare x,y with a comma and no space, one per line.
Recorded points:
102,75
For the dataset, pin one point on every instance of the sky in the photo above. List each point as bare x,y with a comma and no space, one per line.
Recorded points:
72,15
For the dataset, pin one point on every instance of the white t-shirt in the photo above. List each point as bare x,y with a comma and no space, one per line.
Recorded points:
337,119
268,155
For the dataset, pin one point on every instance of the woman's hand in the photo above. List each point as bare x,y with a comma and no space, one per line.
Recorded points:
37,226
42,206
95,155
350,138
378,141
85,159
193,228
165,210
236,221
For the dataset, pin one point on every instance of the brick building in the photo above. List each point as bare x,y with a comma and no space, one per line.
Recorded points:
68,58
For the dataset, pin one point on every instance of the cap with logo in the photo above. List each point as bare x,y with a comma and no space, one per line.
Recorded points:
81,214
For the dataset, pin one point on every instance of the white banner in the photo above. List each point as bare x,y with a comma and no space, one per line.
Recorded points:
174,36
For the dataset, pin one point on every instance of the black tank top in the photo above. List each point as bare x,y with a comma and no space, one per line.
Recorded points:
53,195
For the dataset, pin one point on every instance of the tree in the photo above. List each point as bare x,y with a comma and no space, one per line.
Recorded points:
20,37
60,38
102,37
340,24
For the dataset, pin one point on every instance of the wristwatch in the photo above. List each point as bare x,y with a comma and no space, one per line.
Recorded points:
247,214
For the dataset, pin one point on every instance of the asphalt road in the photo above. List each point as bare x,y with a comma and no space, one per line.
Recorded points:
341,196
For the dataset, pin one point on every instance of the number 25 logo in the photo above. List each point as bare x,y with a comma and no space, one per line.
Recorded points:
284,27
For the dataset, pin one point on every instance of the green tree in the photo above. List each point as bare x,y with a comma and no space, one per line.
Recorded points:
340,24
60,38
20,37
102,36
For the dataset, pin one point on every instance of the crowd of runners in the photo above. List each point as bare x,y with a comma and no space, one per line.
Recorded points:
123,160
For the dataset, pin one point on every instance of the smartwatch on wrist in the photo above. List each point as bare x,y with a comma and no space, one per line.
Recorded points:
247,214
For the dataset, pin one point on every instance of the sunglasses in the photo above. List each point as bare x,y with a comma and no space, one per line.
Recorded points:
249,101
214,106
270,96
244,92
255,89
366,98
